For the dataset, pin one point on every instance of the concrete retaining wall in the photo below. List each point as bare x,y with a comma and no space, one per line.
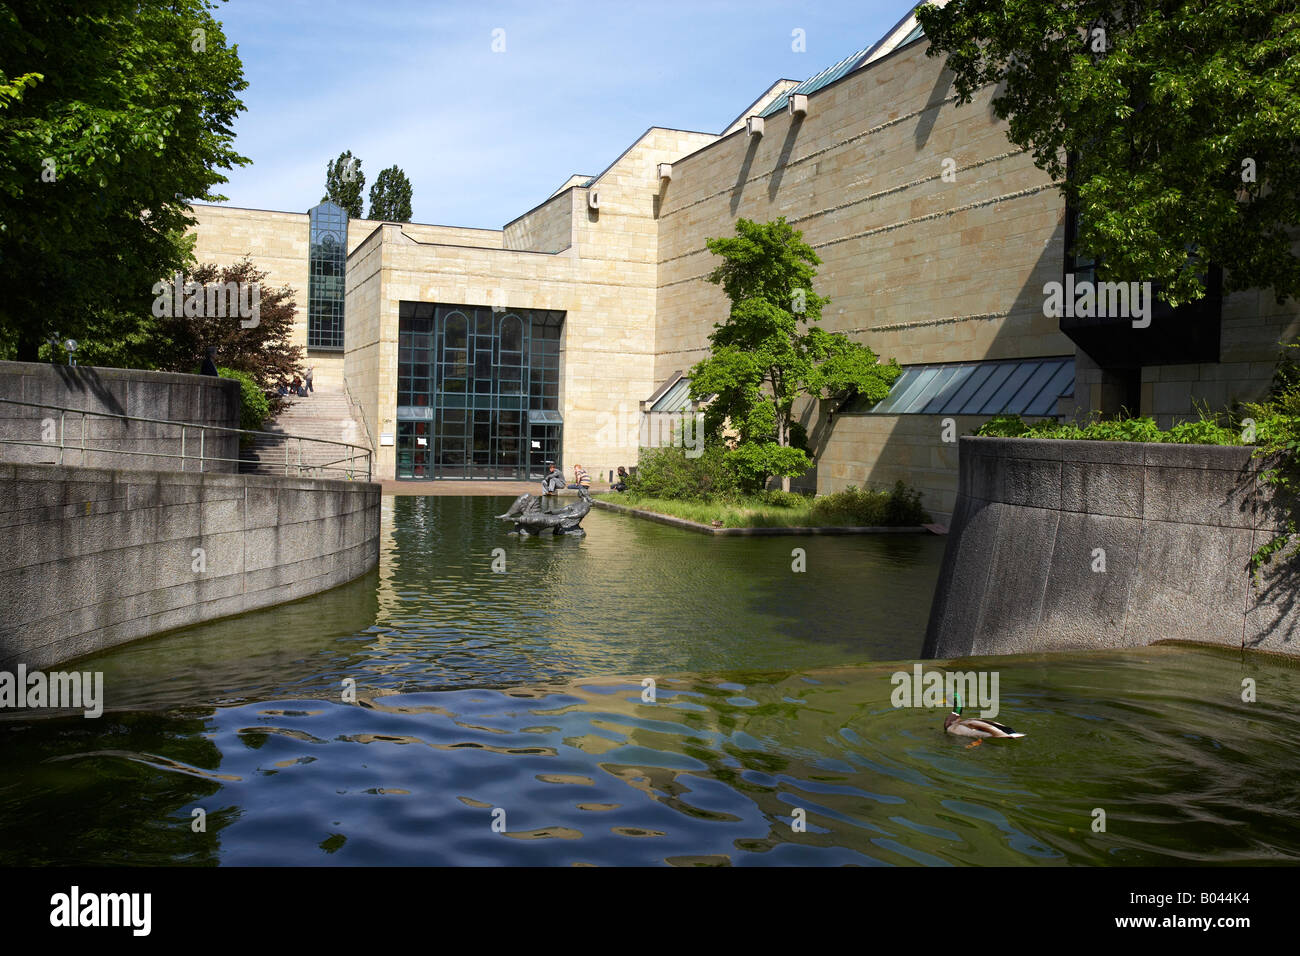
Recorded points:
94,558
200,399
1177,525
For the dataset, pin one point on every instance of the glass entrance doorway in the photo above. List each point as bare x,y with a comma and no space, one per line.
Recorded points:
543,444
478,391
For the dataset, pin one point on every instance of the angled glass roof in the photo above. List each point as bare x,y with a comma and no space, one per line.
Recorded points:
1015,387
815,83
917,32
842,68
542,417
676,399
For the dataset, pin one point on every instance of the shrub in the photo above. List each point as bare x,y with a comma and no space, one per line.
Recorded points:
903,506
1003,426
254,406
1127,429
1066,431
670,473
752,463
1277,435
900,506
781,499
1205,432
1275,430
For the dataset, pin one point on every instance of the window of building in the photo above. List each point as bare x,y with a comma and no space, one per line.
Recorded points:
327,260
478,392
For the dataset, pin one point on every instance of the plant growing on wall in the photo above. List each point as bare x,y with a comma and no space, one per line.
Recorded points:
1181,118
390,196
344,181
770,351
110,120
254,406
1276,426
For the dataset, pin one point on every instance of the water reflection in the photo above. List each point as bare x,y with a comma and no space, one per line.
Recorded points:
630,597
718,771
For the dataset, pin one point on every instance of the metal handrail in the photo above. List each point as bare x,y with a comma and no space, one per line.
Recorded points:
356,453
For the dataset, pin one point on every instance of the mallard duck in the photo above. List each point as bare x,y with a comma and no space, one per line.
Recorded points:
975,727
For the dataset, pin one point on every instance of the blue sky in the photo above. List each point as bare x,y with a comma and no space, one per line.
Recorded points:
485,136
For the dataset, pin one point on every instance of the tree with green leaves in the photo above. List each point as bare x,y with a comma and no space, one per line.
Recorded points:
344,182
771,351
1180,120
11,90
263,349
390,196
111,120
176,342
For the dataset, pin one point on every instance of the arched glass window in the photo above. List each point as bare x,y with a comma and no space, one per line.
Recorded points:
453,370
455,330
512,340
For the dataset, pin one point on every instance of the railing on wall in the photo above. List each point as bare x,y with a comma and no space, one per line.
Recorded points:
199,448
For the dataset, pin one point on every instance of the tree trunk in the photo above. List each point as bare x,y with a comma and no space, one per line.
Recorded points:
783,438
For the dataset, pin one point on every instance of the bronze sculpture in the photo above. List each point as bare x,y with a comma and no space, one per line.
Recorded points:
529,518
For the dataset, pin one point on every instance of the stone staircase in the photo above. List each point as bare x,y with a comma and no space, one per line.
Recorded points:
322,415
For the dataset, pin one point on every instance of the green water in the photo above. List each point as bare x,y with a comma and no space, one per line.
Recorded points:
516,698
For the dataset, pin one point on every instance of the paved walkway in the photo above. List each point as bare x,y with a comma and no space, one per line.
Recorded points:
508,489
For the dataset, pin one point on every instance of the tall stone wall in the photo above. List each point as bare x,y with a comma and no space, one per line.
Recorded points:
96,557
198,399
936,236
1079,544
875,451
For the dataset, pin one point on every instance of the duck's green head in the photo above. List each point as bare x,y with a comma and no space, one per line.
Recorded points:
956,708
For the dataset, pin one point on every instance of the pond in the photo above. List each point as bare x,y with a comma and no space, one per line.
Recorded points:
508,717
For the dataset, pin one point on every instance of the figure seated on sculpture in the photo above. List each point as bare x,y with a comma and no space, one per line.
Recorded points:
529,518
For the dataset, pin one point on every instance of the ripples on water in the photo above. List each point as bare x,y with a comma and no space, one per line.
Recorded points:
714,772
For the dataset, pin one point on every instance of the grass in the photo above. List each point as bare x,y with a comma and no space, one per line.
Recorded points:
752,512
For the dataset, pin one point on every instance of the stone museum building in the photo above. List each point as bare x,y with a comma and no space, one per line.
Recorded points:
482,353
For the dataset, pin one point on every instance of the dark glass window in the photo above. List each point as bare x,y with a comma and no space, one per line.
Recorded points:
488,385
327,260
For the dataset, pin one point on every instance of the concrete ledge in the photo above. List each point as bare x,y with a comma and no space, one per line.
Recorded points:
749,532
100,557
176,397
1176,526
